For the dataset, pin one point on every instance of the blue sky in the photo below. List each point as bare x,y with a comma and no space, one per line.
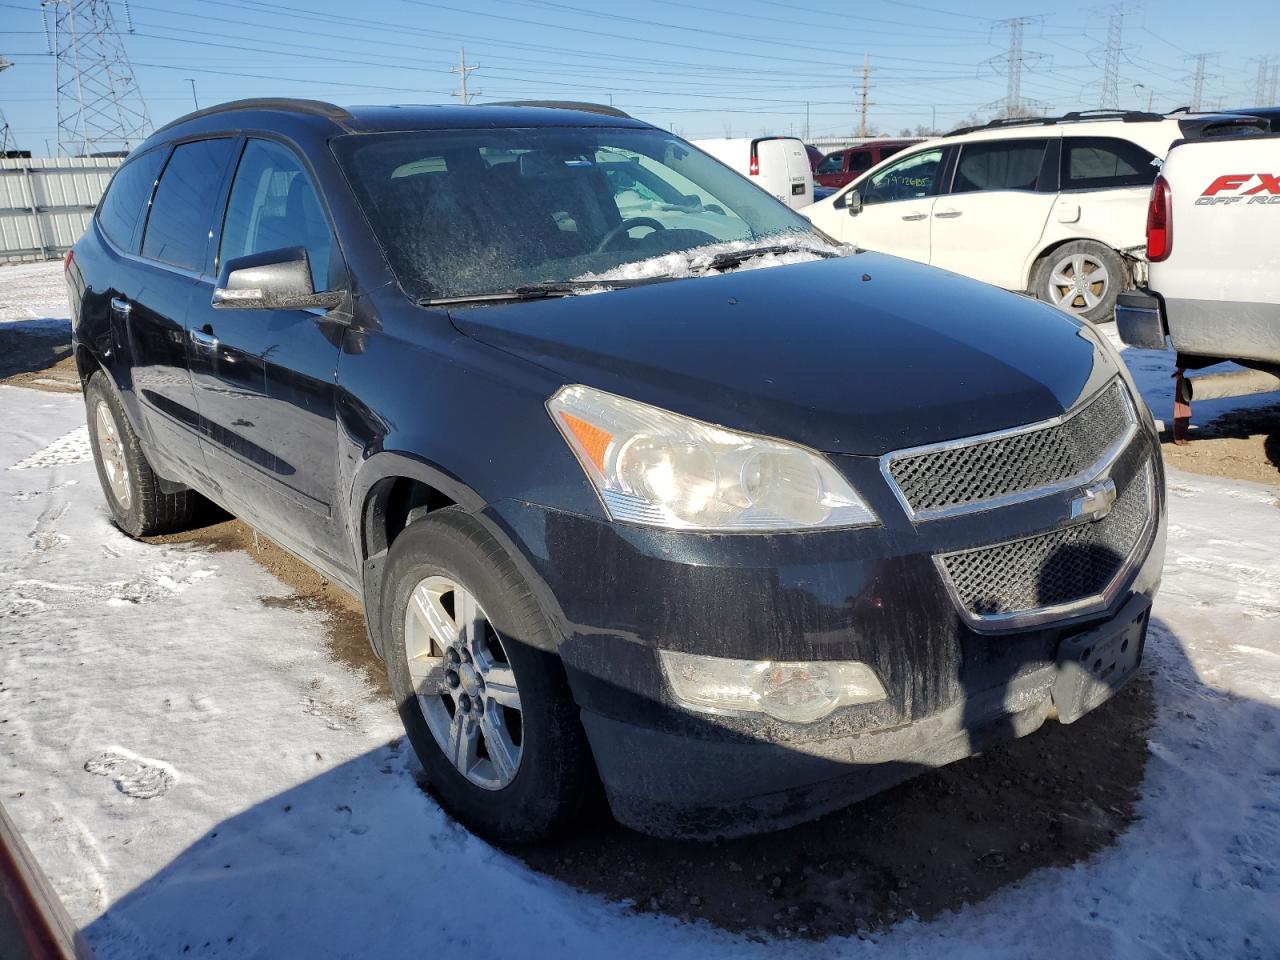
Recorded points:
702,67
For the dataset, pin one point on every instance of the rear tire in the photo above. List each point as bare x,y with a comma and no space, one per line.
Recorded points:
482,694
138,505
1083,278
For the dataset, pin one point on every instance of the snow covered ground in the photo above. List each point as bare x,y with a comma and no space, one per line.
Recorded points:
32,296
193,771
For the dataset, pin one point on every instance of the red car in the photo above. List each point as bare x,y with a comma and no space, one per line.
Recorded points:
815,155
842,166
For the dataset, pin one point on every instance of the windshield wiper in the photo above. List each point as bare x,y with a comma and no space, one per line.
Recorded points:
528,291
538,291
735,258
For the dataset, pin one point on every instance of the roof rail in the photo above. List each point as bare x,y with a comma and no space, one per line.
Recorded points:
578,105
999,122
318,108
1075,116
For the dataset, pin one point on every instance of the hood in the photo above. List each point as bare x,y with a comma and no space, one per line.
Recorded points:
858,355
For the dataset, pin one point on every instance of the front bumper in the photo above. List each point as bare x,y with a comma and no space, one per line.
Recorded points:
677,786
617,594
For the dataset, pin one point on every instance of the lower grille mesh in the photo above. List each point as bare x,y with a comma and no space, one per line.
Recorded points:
1063,566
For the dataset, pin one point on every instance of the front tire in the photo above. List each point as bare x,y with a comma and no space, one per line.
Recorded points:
1083,278
482,694
138,504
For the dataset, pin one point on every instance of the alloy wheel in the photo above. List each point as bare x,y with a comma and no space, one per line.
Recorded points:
1078,283
111,450
465,685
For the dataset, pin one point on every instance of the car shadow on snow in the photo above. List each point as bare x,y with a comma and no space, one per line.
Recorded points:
330,866
37,354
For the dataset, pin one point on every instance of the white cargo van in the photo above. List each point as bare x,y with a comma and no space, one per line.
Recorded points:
777,165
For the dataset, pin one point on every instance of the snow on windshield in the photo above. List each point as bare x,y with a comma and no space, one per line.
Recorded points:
690,263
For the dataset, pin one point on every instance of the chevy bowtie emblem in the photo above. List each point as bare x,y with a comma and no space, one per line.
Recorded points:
1094,501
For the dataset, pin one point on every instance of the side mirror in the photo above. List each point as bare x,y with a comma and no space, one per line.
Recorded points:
274,280
854,202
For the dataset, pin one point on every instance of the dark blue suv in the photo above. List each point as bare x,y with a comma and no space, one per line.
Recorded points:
641,479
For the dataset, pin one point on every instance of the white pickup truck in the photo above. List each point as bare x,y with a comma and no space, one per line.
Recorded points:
1213,244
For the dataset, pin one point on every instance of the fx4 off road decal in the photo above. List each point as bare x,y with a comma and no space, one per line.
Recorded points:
1249,188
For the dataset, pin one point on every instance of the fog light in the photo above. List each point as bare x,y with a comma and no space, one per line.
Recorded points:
798,692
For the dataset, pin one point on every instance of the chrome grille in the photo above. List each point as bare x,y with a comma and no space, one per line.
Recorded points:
982,472
1054,574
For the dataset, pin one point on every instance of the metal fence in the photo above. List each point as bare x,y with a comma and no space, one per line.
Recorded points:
46,202
829,144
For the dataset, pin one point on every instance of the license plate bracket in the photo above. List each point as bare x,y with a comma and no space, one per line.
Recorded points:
1095,664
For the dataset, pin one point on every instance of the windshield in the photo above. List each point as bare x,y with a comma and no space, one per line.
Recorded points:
467,212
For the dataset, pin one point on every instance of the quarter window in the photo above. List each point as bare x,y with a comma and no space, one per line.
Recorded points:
127,198
910,178
860,160
182,212
1002,165
1096,163
273,206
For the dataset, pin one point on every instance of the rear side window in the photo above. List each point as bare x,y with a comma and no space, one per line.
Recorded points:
1095,163
273,205
1002,165
860,160
126,200
183,209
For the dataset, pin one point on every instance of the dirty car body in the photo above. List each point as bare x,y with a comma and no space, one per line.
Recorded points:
971,528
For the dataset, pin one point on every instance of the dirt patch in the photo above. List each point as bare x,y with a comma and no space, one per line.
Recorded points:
953,836
346,638
1241,445
38,359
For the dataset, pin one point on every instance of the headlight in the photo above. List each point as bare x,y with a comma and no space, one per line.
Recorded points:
796,692
664,470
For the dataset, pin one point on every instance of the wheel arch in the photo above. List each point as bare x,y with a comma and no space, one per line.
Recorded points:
391,491
1047,250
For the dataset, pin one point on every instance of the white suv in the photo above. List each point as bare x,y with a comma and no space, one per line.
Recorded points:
1046,206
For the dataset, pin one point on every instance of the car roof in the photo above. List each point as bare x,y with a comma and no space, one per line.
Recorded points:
746,140
400,117
882,142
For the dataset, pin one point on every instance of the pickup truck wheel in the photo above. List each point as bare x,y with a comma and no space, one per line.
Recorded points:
1082,278
138,505
483,697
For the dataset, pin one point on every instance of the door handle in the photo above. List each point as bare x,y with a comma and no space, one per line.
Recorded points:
914,216
121,306
204,339
948,214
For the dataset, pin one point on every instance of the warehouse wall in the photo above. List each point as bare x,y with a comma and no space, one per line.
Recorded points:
46,202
